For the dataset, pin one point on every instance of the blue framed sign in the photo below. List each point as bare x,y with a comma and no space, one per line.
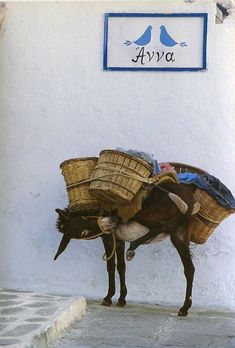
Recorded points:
155,41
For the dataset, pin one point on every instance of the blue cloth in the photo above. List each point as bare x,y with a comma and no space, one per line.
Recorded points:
210,184
187,178
145,157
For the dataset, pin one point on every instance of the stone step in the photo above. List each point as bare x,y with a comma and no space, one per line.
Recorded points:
35,320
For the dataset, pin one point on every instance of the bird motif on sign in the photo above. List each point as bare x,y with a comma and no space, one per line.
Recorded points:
167,40
143,40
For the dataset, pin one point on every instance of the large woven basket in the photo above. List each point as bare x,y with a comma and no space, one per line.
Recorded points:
211,213
115,176
74,171
209,217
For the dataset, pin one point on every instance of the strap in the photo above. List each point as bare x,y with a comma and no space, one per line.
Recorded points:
158,179
208,219
103,232
116,171
105,258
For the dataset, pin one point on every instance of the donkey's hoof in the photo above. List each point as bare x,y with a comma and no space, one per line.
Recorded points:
121,303
182,313
106,302
130,255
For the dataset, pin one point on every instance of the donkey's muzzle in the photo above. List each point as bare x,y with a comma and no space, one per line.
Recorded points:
63,244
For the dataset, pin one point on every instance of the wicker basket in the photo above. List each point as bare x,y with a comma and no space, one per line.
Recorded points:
209,217
182,168
112,183
74,171
211,213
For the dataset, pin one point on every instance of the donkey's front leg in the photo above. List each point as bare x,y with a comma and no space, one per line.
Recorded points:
108,246
184,253
121,267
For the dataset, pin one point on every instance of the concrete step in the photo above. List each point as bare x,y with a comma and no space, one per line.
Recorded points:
35,320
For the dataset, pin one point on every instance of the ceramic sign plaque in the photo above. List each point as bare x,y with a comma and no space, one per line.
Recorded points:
155,41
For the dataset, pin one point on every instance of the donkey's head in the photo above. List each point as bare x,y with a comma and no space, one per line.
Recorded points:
74,226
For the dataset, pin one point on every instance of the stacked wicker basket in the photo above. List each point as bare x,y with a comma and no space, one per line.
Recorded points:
116,177
77,172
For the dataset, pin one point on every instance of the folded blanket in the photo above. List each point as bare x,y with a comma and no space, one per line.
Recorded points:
210,184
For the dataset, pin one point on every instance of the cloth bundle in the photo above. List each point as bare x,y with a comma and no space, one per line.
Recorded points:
210,184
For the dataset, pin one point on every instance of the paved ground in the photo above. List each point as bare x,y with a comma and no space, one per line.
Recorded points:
32,320
140,325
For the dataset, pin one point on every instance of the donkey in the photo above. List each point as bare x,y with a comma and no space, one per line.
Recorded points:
166,212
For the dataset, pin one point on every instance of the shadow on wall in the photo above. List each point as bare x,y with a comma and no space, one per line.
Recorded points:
3,12
224,9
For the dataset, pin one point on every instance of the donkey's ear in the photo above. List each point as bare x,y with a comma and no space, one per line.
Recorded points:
62,214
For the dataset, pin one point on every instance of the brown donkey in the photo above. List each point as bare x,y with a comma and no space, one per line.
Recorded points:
166,212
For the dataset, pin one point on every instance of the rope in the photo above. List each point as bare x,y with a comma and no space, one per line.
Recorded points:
93,237
103,232
123,173
116,172
105,258
208,219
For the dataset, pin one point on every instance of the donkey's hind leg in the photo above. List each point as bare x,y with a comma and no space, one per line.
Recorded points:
182,247
121,268
130,253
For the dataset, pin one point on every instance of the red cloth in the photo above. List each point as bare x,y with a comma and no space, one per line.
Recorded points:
166,167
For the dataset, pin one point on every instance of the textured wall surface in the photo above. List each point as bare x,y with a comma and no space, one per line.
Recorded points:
57,103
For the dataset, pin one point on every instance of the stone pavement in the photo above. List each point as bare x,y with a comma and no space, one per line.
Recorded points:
34,320
149,326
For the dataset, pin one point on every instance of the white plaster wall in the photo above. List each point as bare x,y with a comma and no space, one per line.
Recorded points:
57,103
